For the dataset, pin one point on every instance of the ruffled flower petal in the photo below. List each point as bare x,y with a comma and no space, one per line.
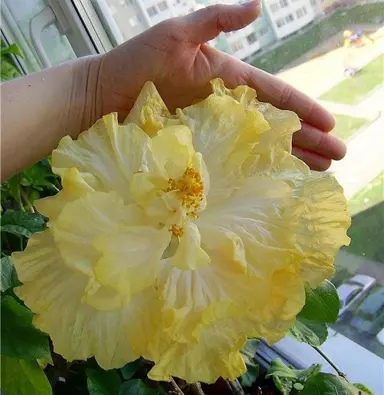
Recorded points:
149,111
189,254
176,237
55,293
107,155
100,213
130,258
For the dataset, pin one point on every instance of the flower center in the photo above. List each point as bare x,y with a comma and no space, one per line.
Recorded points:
190,191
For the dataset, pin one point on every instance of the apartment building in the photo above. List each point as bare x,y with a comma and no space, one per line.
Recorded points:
125,19
279,19
289,16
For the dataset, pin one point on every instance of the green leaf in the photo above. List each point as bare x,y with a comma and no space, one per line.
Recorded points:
16,230
19,338
103,382
313,333
363,388
13,221
14,187
285,377
21,377
39,175
8,274
322,303
12,49
249,350
248,353
248,378
130,369
328,384
138,387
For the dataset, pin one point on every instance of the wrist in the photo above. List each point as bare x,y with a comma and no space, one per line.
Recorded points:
85,105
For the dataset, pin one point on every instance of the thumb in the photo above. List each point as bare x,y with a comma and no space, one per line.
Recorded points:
207,23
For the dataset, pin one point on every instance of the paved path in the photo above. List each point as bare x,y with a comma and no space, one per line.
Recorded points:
365,157
364,160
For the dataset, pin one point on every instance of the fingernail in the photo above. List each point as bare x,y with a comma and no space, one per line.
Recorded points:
251,3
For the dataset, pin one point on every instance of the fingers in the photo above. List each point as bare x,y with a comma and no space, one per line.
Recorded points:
207,23
317,141
313,160
277,92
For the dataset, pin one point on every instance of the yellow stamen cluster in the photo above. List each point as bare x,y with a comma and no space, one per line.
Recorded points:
177,231
190,191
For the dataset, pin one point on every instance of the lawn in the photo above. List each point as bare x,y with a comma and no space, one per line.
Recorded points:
372,194
297,45
347,126
367,229
353,90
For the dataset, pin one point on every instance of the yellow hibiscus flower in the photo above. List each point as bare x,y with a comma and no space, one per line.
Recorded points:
176,237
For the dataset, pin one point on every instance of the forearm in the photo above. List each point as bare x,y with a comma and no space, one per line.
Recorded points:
41,108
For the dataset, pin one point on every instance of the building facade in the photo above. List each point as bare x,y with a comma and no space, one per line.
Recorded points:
279,19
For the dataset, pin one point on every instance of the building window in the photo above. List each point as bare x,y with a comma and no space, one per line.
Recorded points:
283,3
163,6
289,18
152,11
299,13
263,31
251,38
280,22
274,7
237,46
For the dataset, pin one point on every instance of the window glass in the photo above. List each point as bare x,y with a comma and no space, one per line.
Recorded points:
17,15
251,38
331,50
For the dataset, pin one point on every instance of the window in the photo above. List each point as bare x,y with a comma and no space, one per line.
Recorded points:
237,46
152,11
263,31
352,88
274,7
289,18
280,22
299,13
163,6
251,38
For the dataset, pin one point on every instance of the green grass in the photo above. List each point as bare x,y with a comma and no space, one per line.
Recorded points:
367,229
353,90
297,45
347,126
371,195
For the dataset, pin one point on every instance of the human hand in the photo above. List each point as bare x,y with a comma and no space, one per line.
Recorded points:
175,56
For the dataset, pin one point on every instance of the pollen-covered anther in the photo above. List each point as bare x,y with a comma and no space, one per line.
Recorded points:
190,189
177,231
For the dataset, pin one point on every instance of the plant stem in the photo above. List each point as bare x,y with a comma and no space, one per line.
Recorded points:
325,356
196,389
236,387
26,201
175,387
